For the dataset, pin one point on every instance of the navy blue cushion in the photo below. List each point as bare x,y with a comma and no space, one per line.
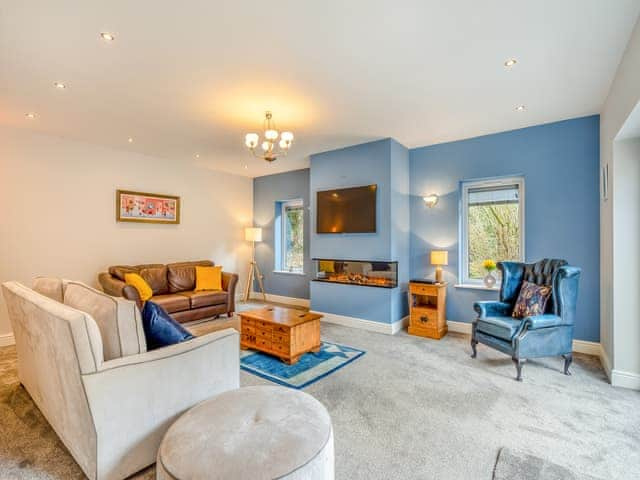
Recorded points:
500,327
160,329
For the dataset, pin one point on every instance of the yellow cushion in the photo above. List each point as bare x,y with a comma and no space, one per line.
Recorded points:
327,266
138,282
208,278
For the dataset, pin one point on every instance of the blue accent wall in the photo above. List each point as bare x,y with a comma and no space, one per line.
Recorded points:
386,164
268,191
560,165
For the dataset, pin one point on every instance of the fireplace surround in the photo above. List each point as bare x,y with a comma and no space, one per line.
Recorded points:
366,273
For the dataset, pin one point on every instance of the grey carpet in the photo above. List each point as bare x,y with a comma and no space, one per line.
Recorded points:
522,466
410,408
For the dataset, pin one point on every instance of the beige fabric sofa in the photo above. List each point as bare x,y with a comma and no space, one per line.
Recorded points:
82,357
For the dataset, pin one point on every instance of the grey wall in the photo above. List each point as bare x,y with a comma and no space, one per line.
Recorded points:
266,192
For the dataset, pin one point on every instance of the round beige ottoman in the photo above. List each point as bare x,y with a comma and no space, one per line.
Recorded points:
250,433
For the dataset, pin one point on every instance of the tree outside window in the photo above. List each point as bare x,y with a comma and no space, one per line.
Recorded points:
493,219
293,236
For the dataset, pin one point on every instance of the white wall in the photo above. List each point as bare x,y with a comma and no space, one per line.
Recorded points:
623,97
626,266
57,217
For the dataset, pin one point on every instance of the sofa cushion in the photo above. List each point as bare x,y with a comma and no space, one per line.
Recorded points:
156,277
172,302
118,319
139,283
207,298
50,287
500,327
160,329
182,276
119,271
208,278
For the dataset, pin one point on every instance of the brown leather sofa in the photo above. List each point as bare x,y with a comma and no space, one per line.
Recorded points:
173,288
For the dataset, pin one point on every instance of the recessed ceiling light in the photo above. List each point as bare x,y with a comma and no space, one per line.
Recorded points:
30,115
521,108
107,36
246,167
197,155
130,140
510,63
59,85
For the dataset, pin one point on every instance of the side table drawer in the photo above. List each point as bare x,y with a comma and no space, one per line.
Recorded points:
263,343
423,289
263,325
260,332
282,338
246,329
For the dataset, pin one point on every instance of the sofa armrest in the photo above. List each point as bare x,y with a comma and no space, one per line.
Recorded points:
492,309
229,282
111,285
134,400
543,321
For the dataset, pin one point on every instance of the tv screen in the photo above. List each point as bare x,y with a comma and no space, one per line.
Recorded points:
347,210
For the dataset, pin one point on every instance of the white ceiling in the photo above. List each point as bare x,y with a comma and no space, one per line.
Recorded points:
194,75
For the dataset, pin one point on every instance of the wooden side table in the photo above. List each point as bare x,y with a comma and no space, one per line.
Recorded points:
427,309
282,332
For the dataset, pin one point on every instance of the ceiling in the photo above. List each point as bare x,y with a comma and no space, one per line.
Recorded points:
192,77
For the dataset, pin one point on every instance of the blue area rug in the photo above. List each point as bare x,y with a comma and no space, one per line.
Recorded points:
309,369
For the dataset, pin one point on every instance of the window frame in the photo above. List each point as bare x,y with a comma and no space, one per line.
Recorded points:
294,203
464,220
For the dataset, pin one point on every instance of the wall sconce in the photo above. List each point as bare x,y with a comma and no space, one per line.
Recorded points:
431,200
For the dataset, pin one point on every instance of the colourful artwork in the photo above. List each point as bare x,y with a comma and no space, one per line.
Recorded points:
146,207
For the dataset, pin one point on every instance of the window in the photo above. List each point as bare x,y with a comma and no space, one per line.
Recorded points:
492,225
290,257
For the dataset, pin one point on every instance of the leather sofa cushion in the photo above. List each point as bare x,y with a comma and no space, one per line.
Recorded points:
206,298
118,271
156,277
172,302
500,327
182,276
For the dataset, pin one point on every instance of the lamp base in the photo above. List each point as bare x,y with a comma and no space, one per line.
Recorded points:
438,274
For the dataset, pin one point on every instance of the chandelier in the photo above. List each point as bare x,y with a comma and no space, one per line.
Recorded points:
270,151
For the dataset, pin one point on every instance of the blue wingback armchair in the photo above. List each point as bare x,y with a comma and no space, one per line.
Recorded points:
539,336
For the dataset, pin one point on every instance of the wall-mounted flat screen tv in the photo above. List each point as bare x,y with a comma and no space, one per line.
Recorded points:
347,210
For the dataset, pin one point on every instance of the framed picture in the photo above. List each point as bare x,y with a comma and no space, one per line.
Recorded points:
147,207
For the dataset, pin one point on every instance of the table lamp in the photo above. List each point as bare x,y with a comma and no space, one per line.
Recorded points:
439,258
253,235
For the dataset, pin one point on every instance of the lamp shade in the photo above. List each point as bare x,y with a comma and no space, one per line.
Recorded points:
253,234
439,257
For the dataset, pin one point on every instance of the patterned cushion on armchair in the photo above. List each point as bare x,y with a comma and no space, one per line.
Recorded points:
532,300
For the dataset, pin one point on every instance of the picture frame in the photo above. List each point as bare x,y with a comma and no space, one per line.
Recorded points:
143,207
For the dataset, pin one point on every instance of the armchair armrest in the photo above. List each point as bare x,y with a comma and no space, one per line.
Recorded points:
543,321
134,400
492,309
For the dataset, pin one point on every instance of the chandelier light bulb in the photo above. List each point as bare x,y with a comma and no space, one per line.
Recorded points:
271,134
284,144
265,146
287,137
251,140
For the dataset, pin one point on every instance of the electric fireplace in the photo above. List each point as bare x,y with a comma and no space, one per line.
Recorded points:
368,273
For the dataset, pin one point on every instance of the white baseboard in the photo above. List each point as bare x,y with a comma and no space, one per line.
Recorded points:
620,378
579,346
361,323
299,302
7,339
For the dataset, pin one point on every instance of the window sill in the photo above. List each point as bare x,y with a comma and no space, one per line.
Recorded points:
473,286
287,272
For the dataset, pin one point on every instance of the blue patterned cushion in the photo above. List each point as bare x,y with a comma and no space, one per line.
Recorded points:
532,300
160,329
